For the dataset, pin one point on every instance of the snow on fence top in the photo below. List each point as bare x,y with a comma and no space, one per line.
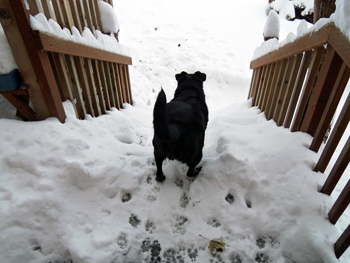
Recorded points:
341,18
97,40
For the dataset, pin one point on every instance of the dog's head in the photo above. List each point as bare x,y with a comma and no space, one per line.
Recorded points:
190,81
198,76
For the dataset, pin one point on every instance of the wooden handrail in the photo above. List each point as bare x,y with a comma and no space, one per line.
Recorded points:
327,34
47,42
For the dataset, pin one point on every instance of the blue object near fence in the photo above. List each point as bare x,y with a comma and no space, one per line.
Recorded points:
10,81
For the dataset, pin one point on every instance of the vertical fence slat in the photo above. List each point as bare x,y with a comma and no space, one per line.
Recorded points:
334,138
331,107
297,88
252,83
81,14
47,9
338,170
342,243
340,205
82,76
283,89
94,13
262,92
124,79
289,90
109,84
313,69
102,71
98,15
92,86
75,15
327,77
271,107
128,83
261,84
59,13
76,86
88,16
268,87
99,86
272,90
256,85
115,85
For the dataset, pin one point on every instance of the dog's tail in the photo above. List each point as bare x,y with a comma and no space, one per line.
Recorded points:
159,117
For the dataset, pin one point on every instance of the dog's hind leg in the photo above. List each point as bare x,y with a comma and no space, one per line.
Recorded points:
159,162
193,171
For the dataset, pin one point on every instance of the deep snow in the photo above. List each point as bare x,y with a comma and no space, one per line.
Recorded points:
85,190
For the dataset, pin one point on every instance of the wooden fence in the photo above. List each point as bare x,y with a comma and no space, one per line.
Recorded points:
55,69
300,86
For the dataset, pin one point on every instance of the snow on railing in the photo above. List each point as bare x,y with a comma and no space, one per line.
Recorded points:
341,18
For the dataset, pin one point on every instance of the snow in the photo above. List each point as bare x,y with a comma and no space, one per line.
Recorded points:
7,62
109,18
85,190
272,25
341,16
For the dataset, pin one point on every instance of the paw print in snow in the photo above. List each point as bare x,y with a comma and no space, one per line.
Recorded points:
181,225
149,226
122,241
214,223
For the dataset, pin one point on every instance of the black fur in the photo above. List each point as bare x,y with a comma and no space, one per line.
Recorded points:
179,125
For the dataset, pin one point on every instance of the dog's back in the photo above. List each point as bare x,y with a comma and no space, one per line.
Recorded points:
179,125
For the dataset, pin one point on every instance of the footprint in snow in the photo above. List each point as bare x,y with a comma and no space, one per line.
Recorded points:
184,200
149,226
214,223
134,221
122,241
230,198
126,197
180,225
155,248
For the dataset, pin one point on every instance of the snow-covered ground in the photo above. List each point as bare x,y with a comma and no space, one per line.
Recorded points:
85,191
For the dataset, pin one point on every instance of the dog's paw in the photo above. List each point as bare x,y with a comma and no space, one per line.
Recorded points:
196,171
160,178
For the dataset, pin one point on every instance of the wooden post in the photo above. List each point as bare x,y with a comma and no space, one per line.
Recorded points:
323,8
34,65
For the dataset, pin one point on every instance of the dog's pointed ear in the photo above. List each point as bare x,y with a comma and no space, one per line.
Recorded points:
181,75
201,76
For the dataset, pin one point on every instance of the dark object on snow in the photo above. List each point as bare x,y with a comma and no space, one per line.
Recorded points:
179,126
309,17
229,198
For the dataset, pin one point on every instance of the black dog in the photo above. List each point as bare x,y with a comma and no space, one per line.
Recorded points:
179,125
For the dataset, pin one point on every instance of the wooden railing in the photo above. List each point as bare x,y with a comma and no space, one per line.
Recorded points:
299,86
56,69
